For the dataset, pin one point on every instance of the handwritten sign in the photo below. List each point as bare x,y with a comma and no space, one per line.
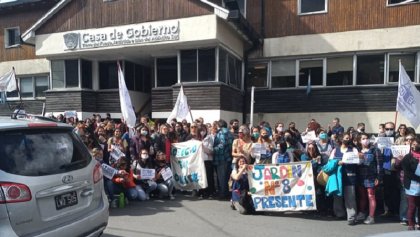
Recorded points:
309,136
384,142
147,173
108,171
400,150
167,174
70,114
285,187
351,158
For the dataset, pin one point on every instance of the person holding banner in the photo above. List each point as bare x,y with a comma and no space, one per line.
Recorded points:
165,184
411,168
349,178
369,177
241,200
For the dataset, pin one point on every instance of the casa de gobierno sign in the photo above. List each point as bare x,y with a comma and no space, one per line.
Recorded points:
122,35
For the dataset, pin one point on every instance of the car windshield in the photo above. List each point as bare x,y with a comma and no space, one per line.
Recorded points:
31,152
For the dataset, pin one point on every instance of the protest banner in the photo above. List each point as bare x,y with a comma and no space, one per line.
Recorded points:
284,187
384,142
108,171
146,174
188,165
400,150
351,158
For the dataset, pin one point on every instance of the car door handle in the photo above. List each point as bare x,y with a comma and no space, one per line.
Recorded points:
87,192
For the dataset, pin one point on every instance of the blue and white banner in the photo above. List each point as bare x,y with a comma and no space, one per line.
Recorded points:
408,100
187,165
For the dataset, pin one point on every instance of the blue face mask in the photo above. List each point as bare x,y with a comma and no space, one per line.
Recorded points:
256,134
323,136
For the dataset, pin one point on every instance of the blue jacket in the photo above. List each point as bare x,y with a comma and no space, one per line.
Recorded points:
334,184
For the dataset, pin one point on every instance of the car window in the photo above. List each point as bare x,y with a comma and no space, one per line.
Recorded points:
31,152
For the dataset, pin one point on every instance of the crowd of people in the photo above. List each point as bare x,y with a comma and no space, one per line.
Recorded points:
379,185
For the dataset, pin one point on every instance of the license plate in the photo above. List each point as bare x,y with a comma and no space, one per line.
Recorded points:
65,200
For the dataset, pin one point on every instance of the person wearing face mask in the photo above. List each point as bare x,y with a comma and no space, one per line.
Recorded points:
241,146
145,162
391,183
164,187
141,141
295,133
264,155
180,132
255,133
278,135
208,140
348,180
324,147
411,168
234,127
369,177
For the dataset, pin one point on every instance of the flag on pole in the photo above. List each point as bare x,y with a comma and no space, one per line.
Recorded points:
408,99
308,87
181,108
8,82
126,107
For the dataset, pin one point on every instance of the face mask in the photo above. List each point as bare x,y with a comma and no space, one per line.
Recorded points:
323,136
256,134
203,133
144,156
346,142
361,130
365,142
389,133
416,148
235,127
280,129
144,133
265,136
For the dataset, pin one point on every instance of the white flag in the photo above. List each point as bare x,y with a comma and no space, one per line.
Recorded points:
181,108
8,82
125,101
408,100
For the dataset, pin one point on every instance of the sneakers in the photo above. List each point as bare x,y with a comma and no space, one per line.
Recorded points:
361,216
171,197
369,220
351,222
404,222
113,203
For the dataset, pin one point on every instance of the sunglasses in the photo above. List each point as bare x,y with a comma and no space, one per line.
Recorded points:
389,129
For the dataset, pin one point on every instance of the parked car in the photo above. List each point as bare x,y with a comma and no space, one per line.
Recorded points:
49,183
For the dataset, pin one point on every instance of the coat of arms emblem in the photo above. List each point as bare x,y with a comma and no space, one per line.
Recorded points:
71,40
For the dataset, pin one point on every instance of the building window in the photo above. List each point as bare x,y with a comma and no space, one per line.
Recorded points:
12,37
69,73
129,75
312,6
203,60
230,69
400,2
340,71
370,69
57,73
407,60
166,71
86,74
72,73
313,70
257,75
242,6
41,85
108,75
283,74
31,87
189,65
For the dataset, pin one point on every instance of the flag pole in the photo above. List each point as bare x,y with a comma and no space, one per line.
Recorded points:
20,96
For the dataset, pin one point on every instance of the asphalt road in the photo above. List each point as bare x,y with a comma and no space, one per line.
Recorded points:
188,216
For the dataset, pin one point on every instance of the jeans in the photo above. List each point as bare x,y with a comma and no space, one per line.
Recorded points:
392,186
165,188
349,203
223,170
136,193
113,189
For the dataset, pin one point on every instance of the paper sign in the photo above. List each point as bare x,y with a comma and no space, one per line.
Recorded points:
383,142
309,136
350,158
258,149
116,153
400,150
70,114
108,171
147,173
166,174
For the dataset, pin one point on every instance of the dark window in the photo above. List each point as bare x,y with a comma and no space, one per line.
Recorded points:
223,55
147,80
167,73
390,2
139,78
407,60
308,6
310,69
207,64
86,74
189,65
129,75
26,87
12,36
370,69
41,85
108,75
257,75
57,71
340,71
35,152
283,74
234,71
72,73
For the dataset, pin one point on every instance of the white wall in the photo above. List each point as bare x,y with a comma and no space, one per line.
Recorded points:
26,67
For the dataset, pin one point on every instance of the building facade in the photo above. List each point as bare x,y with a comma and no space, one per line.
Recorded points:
347,50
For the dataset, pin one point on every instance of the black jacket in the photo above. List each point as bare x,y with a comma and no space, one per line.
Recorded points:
409,166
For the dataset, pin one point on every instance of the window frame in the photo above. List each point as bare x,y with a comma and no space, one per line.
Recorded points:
33,79
7,35
300,13
324,77
79,74
356,59
416,66
399,4
354,72
230,53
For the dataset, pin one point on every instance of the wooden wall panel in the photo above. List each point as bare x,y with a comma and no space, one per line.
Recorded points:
108,101
85,14
23,16
281,18
63,100
350,99
162,99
